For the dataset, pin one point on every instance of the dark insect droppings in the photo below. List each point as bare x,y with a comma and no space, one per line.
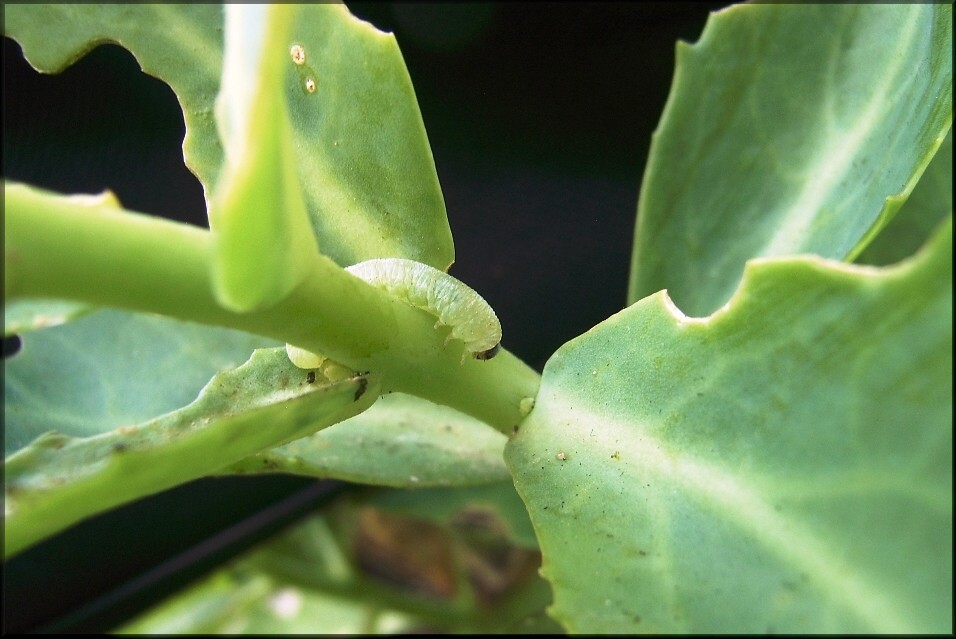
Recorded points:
363,384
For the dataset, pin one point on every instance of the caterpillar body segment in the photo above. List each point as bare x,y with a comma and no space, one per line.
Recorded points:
452,302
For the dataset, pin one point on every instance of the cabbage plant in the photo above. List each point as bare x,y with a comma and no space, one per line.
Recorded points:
759,441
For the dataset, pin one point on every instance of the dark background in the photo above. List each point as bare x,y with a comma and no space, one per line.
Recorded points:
540,117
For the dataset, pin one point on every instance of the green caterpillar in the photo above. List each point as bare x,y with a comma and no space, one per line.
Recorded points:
471,318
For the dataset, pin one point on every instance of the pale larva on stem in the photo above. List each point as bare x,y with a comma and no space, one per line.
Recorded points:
330,370
470,317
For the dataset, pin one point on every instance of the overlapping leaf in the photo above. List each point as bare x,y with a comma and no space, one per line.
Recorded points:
103,410
247,602
361,150
111,369
179,44
401,441
23,316
930,203
364,160
784,465
789,129
497,502
316,577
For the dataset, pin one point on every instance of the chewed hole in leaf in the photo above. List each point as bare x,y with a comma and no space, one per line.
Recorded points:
100,123
11,345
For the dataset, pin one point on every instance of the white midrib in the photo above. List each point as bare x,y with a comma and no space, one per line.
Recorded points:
835,160
752,512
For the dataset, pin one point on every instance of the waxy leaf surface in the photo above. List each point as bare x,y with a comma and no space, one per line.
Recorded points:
929,204
363,158
104,410
401,441
782,466
790,129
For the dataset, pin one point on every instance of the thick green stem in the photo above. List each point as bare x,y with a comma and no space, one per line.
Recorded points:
56,248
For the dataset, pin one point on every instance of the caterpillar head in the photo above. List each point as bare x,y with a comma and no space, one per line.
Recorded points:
488,354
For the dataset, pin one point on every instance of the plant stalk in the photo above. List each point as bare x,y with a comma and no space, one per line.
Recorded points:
57,248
